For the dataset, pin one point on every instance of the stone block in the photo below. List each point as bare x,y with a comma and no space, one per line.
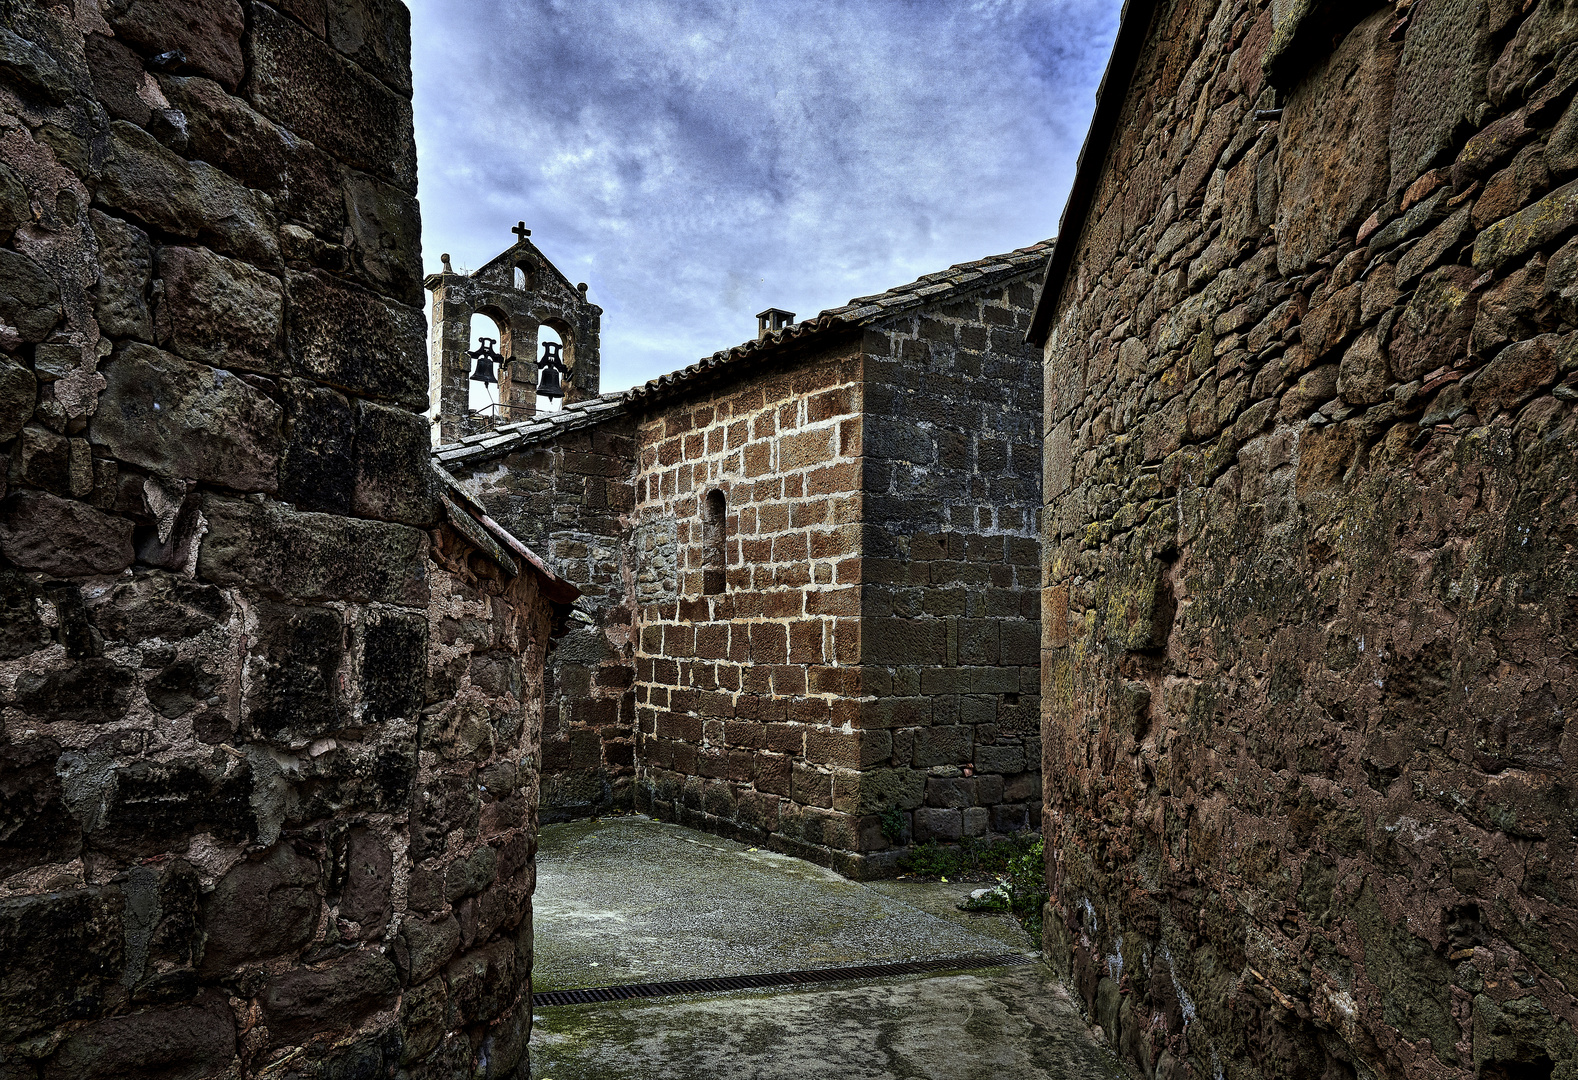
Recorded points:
1362,378
974,820
999,759
942,746
357,340
29,297
950,792
483,983
185,198
1536,226
219,311
292,685
392,481
188,420
1434,329
125,262
425,946
207,32
32,798
393,659
376,34
150,805
227,132
331,998
935,823
93,690
157,605
1333,144
178,1044
811,787
18,397
301,83
65,950
314,556
261,908
470,875
424,1011
63,537
443,804
1516,374
368,868
317,471
52,462
386,234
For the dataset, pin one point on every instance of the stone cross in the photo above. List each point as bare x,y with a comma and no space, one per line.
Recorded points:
521,231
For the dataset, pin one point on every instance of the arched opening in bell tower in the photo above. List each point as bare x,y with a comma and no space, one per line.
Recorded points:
489,343
553,347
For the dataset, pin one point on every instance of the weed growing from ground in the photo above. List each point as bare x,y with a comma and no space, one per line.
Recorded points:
1016,863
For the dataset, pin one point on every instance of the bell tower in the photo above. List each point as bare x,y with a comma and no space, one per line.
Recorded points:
521,291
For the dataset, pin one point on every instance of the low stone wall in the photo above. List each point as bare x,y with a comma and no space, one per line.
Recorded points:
1308,626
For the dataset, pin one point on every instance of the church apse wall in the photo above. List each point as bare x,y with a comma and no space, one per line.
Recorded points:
1309,636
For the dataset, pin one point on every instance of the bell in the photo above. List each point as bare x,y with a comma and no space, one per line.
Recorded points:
486,359
550,383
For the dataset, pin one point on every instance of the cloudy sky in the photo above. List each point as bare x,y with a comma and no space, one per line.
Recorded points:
696,161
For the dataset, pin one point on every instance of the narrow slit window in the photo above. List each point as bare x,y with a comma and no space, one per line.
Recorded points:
714,541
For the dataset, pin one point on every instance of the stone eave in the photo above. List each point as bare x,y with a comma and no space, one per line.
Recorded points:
1133,29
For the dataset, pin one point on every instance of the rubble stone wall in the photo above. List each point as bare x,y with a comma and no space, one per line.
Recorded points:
571,499
1309,630
231,839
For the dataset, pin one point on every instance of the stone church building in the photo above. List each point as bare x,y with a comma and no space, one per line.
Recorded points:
809,563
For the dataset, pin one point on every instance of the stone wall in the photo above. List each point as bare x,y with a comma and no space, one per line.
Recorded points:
868,678
745,698
465,944
950,605
224,813
569,495
1308,625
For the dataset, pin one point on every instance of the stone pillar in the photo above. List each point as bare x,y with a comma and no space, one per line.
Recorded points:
449,366
586,373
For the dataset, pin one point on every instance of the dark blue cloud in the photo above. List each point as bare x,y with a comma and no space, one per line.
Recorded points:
696,161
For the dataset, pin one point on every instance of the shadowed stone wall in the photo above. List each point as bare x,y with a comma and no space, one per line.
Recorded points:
1308,654
569,495
949,601
232,840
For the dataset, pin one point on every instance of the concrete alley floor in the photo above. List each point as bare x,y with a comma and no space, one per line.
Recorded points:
630,900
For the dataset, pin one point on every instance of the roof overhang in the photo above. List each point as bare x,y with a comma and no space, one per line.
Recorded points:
1133,29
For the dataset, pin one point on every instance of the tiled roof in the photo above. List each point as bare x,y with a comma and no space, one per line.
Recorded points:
507,437
470,518
929,289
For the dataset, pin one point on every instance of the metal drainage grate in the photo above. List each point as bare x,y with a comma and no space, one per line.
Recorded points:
593,994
